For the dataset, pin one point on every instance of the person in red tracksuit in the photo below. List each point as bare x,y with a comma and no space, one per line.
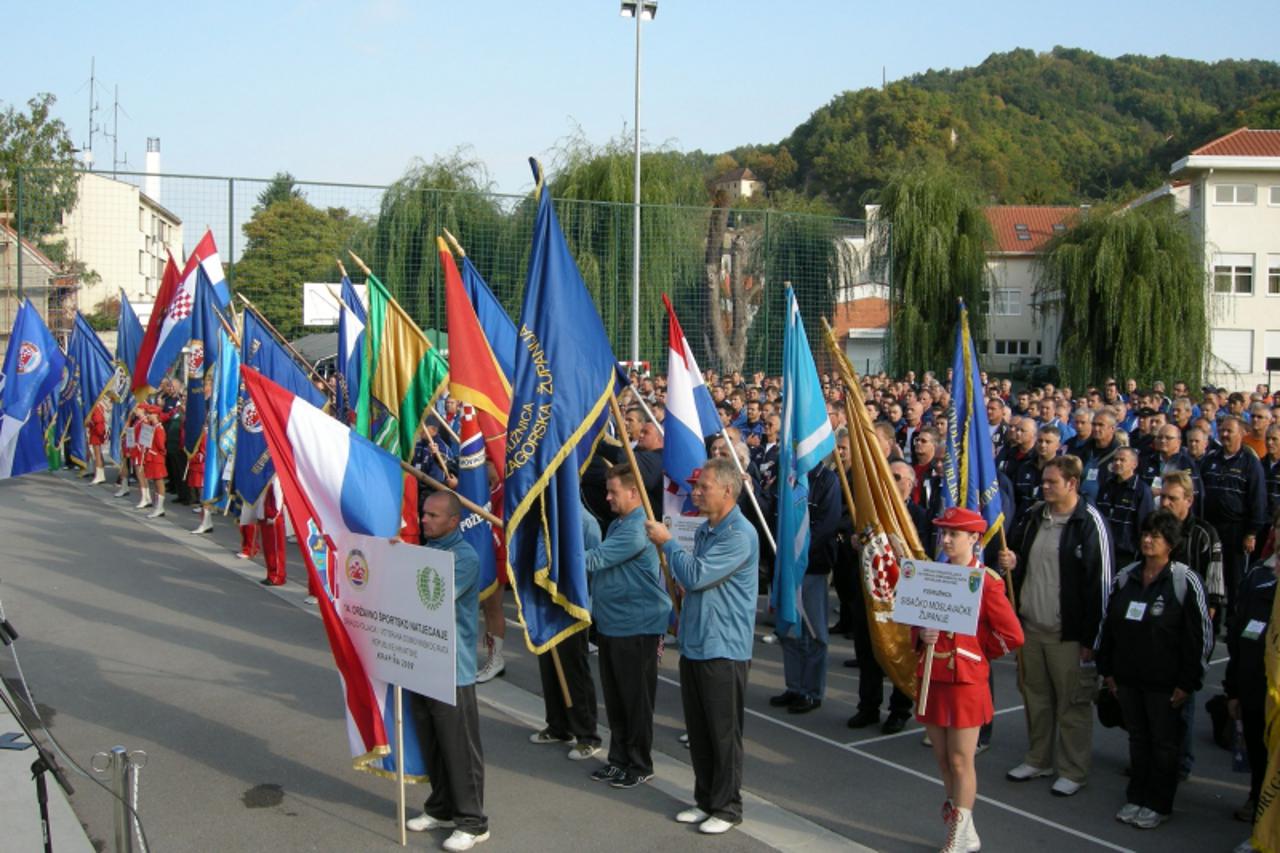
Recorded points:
153,464
97,438
959,700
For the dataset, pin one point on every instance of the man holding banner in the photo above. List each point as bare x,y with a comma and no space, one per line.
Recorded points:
451,733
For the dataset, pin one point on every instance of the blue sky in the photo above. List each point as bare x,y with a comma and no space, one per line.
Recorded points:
352,91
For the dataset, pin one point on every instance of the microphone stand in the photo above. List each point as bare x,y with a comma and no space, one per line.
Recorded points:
44,763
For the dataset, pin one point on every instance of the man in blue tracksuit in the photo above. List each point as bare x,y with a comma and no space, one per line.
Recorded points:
630,607
450,734
716,631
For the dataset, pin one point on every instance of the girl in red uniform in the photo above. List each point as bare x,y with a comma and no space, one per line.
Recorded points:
153,465
959,700
97,438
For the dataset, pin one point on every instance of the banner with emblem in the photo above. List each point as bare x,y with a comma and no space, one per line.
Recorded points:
128,340
203,351
881,523
33,367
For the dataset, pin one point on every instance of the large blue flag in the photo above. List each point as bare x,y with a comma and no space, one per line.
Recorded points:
564,376
128,339
93,379
261,350
33,367
220,426
352,318
969,468
806,440
494,320
202,352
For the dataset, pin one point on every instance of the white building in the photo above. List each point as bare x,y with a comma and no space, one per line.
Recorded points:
50,290
121,234
1017,325
739,184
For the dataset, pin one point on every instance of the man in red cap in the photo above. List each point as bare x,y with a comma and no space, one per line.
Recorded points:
959,699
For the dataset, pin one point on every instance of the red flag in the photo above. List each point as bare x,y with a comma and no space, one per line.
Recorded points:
147,349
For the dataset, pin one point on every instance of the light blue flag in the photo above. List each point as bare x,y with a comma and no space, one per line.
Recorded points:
220,444
969,468
805,441
33,368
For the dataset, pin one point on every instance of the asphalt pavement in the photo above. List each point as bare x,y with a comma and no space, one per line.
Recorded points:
134,632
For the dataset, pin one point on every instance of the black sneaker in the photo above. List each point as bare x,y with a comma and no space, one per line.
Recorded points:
865,717
804,705
608,773
782,700
629,780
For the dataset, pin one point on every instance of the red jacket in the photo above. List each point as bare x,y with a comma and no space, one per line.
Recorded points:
965,659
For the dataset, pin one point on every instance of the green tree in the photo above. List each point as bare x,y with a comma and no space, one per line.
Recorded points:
281,188
37,146
288,243
1130,287
938,244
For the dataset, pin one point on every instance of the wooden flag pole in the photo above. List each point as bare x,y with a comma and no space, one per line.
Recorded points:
923,701
441,487
404,841
644,495
363,267
564,683
440,419
453,242
342,269
297,355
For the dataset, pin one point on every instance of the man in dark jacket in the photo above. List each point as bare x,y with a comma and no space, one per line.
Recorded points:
1102,447
1018,462
1167,456
804,657
1125,501
1061,558
1235,494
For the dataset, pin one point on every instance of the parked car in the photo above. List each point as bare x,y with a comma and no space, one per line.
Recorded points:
1022,368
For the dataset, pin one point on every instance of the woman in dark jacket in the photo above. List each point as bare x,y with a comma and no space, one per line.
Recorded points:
1155,642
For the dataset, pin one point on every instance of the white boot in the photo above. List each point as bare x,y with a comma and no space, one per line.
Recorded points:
122,489
159,510
146,499
100,476
962,837
494,665
206,522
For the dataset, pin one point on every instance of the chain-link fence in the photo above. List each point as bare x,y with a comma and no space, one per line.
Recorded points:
725,270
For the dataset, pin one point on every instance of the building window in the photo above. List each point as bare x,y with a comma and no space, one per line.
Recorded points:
1007,302
1197,195
1008,347
982,347
1273,275
1039,347
142,219
1235,194
142,262
1233,274
1233,350
1275,197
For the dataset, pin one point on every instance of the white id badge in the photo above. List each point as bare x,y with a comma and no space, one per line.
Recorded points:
1254,629
1136,611
1157,484
1092,475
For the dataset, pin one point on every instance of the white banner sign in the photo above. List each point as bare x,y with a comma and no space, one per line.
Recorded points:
397,603
938,595
321,302
683,528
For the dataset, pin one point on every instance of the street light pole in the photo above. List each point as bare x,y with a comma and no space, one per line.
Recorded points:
639,9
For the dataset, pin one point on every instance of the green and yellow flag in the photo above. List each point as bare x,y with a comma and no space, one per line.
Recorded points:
403,371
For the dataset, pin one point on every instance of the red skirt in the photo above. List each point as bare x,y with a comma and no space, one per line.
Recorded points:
97,437
153,468
957,706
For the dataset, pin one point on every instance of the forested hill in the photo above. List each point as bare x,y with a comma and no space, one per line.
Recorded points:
1058,127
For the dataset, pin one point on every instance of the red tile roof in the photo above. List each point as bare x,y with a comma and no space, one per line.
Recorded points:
1243,142
1025,229
861,314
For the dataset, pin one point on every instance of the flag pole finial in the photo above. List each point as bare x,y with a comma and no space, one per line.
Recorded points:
342,269
453,241
363,267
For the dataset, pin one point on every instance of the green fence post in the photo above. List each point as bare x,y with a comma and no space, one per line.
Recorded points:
231,232
17,228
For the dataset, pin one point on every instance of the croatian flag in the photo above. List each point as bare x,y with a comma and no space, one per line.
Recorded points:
691,417
337,482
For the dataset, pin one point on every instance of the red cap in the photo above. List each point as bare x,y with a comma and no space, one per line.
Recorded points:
957,518
693,478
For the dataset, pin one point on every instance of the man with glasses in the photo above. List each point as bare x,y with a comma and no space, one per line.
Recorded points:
1166,456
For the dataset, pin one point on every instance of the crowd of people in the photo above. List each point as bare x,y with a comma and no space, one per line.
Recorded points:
1139,530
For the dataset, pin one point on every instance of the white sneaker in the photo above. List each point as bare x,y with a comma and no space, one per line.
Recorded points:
310,599
464,840
1024,771
494,666
583,751
1245,846
424,821
714,826
1148,819
1128,812
1064,787
692,815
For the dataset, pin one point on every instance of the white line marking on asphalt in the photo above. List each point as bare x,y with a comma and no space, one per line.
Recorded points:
924,776
908,732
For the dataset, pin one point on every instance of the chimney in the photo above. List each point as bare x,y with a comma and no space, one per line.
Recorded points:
151,183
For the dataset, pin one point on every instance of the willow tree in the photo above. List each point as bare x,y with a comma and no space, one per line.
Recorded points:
1130,288
938,240
450,192
594,190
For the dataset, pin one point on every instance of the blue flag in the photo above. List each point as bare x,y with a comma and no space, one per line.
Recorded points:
262,351
33,367
565,374
128,339
352,318
220,426
969,468
805,441
473,484
494,320
89,376
202,352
